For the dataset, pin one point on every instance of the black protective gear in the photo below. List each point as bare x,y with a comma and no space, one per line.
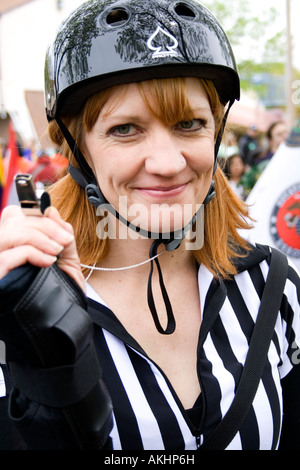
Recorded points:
52,358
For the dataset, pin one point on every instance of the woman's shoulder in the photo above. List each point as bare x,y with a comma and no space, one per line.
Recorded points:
253,269
257,254
253,256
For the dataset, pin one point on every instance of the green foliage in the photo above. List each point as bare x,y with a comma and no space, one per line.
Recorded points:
244,28
258,48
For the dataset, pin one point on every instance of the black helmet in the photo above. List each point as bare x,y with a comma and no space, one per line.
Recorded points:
107,42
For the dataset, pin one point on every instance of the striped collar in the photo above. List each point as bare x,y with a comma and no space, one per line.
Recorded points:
212,294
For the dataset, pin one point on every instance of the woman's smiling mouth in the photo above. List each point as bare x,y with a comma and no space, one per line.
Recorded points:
163,192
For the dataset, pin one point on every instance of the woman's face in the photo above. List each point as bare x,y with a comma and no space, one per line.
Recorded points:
155,174
237,167
279,135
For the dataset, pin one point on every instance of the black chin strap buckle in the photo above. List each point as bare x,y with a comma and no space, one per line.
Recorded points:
172,244
94,195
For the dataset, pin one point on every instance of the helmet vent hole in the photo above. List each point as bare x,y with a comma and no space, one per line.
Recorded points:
185,11
117,17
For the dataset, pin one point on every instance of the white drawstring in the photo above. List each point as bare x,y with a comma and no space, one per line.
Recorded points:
96,268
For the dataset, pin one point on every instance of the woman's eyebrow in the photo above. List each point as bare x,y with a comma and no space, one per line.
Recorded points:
200,109
123,117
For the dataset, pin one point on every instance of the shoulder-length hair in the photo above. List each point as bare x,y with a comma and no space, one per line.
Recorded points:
223,216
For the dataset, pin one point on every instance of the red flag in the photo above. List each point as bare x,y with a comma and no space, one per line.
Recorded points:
13,166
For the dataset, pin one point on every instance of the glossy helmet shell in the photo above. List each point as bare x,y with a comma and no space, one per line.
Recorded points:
106,42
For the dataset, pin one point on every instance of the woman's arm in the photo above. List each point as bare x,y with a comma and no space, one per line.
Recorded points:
58,399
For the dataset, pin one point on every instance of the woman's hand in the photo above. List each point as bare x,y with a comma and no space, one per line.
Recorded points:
39,241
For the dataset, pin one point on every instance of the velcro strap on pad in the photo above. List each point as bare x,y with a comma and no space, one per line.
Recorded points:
58,387
53,315
50,287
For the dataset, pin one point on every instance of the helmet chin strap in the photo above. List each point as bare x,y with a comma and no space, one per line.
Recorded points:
86,179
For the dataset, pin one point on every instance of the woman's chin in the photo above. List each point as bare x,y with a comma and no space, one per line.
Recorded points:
161,223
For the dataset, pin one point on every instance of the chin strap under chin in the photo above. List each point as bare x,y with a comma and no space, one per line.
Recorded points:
171,245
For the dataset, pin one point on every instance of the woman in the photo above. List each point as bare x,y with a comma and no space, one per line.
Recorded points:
234,169
276,134
172,310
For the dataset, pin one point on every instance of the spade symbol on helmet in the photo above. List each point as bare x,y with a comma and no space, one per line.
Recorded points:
163,43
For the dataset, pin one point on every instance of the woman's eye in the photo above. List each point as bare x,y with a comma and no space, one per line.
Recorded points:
123,129
193,124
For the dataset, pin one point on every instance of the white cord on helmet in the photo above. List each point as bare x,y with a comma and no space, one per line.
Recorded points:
97,268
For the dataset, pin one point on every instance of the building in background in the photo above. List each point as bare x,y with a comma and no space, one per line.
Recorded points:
26,28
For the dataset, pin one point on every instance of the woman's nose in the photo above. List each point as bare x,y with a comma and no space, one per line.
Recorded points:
164,156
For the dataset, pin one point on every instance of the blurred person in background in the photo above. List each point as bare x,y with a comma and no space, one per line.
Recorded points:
234,169
248,144
260,158
275,135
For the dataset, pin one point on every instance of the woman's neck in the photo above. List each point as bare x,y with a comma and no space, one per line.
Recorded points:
135,253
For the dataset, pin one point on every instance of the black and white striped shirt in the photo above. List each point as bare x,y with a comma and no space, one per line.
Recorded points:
148,414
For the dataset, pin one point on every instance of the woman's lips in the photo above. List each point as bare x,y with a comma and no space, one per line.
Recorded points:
162,192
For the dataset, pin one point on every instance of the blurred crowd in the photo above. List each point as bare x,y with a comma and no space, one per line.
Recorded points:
45,167
245,158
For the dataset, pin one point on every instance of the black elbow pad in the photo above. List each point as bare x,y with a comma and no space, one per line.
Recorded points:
64,371
52,313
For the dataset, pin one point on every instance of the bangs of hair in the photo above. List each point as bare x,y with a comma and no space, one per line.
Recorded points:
167,100
94,106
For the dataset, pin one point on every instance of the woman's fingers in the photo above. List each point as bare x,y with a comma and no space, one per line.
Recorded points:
44,233
28,236
68,261
15,257
10,211
53,214
39,241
